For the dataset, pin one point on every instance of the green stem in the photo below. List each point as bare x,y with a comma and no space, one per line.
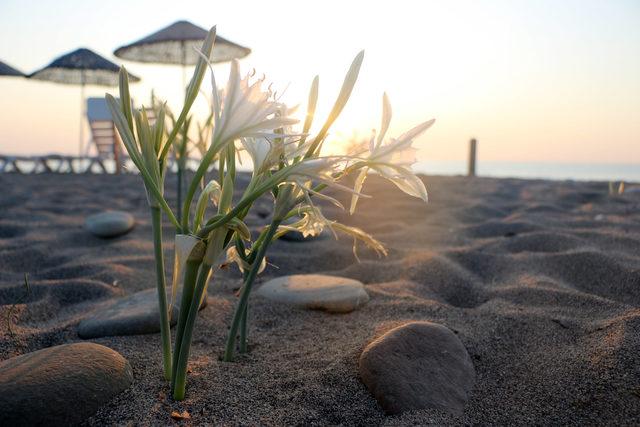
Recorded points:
233,213
243,331
159,198
193,186
180,373
165,331
190,275
179,191
246,291
242,204
243,326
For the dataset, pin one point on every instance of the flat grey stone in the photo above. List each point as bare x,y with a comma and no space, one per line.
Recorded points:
316,292
61,385
419,365
109,223
135,314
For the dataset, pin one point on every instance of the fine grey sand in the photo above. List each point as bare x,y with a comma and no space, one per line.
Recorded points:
540,280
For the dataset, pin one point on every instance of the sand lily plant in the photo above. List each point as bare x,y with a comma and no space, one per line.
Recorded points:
288,164
148,147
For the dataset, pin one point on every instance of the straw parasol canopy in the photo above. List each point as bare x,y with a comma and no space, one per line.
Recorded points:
81,67
7,70
177,44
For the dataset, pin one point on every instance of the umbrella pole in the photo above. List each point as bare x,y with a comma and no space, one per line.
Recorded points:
179,160
184,78
183,62
80,143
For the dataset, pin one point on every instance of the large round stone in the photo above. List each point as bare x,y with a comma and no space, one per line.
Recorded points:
419,365
61,385
135,314
316,292
109,223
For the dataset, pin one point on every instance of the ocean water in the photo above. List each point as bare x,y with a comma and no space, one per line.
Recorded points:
627,172
539,170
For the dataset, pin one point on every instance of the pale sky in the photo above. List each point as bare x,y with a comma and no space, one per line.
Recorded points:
547,80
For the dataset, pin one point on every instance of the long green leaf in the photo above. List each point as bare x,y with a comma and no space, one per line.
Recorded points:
158,128
125,131
345,92
227,194
193,88
125,97
136,156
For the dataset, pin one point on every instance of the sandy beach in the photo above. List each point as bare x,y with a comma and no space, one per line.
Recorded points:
540,280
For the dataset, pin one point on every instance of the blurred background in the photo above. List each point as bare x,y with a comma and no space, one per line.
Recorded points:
549,88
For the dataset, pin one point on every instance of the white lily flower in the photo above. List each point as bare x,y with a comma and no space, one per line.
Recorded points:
311,224
323,170
404,178
246,109
260,151
393,159
299,180
266,154
399,151
319,167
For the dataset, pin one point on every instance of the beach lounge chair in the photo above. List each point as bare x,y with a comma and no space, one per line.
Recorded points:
104,136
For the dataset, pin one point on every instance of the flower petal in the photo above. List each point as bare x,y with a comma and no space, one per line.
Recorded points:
357,187
404,179
386,118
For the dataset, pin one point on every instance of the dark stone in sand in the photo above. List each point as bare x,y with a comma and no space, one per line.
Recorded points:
134,314
296,236
419,365
61,385
109,223
264,211
316,292
632,190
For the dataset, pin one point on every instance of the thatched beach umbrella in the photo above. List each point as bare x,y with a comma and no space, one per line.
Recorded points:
176,45
7,70
81,67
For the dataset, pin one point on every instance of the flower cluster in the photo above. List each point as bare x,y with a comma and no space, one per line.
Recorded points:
288,163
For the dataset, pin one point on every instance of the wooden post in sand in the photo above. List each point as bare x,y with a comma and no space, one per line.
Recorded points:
471,170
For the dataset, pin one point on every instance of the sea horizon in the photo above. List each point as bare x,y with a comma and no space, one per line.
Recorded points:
560,171
628,172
